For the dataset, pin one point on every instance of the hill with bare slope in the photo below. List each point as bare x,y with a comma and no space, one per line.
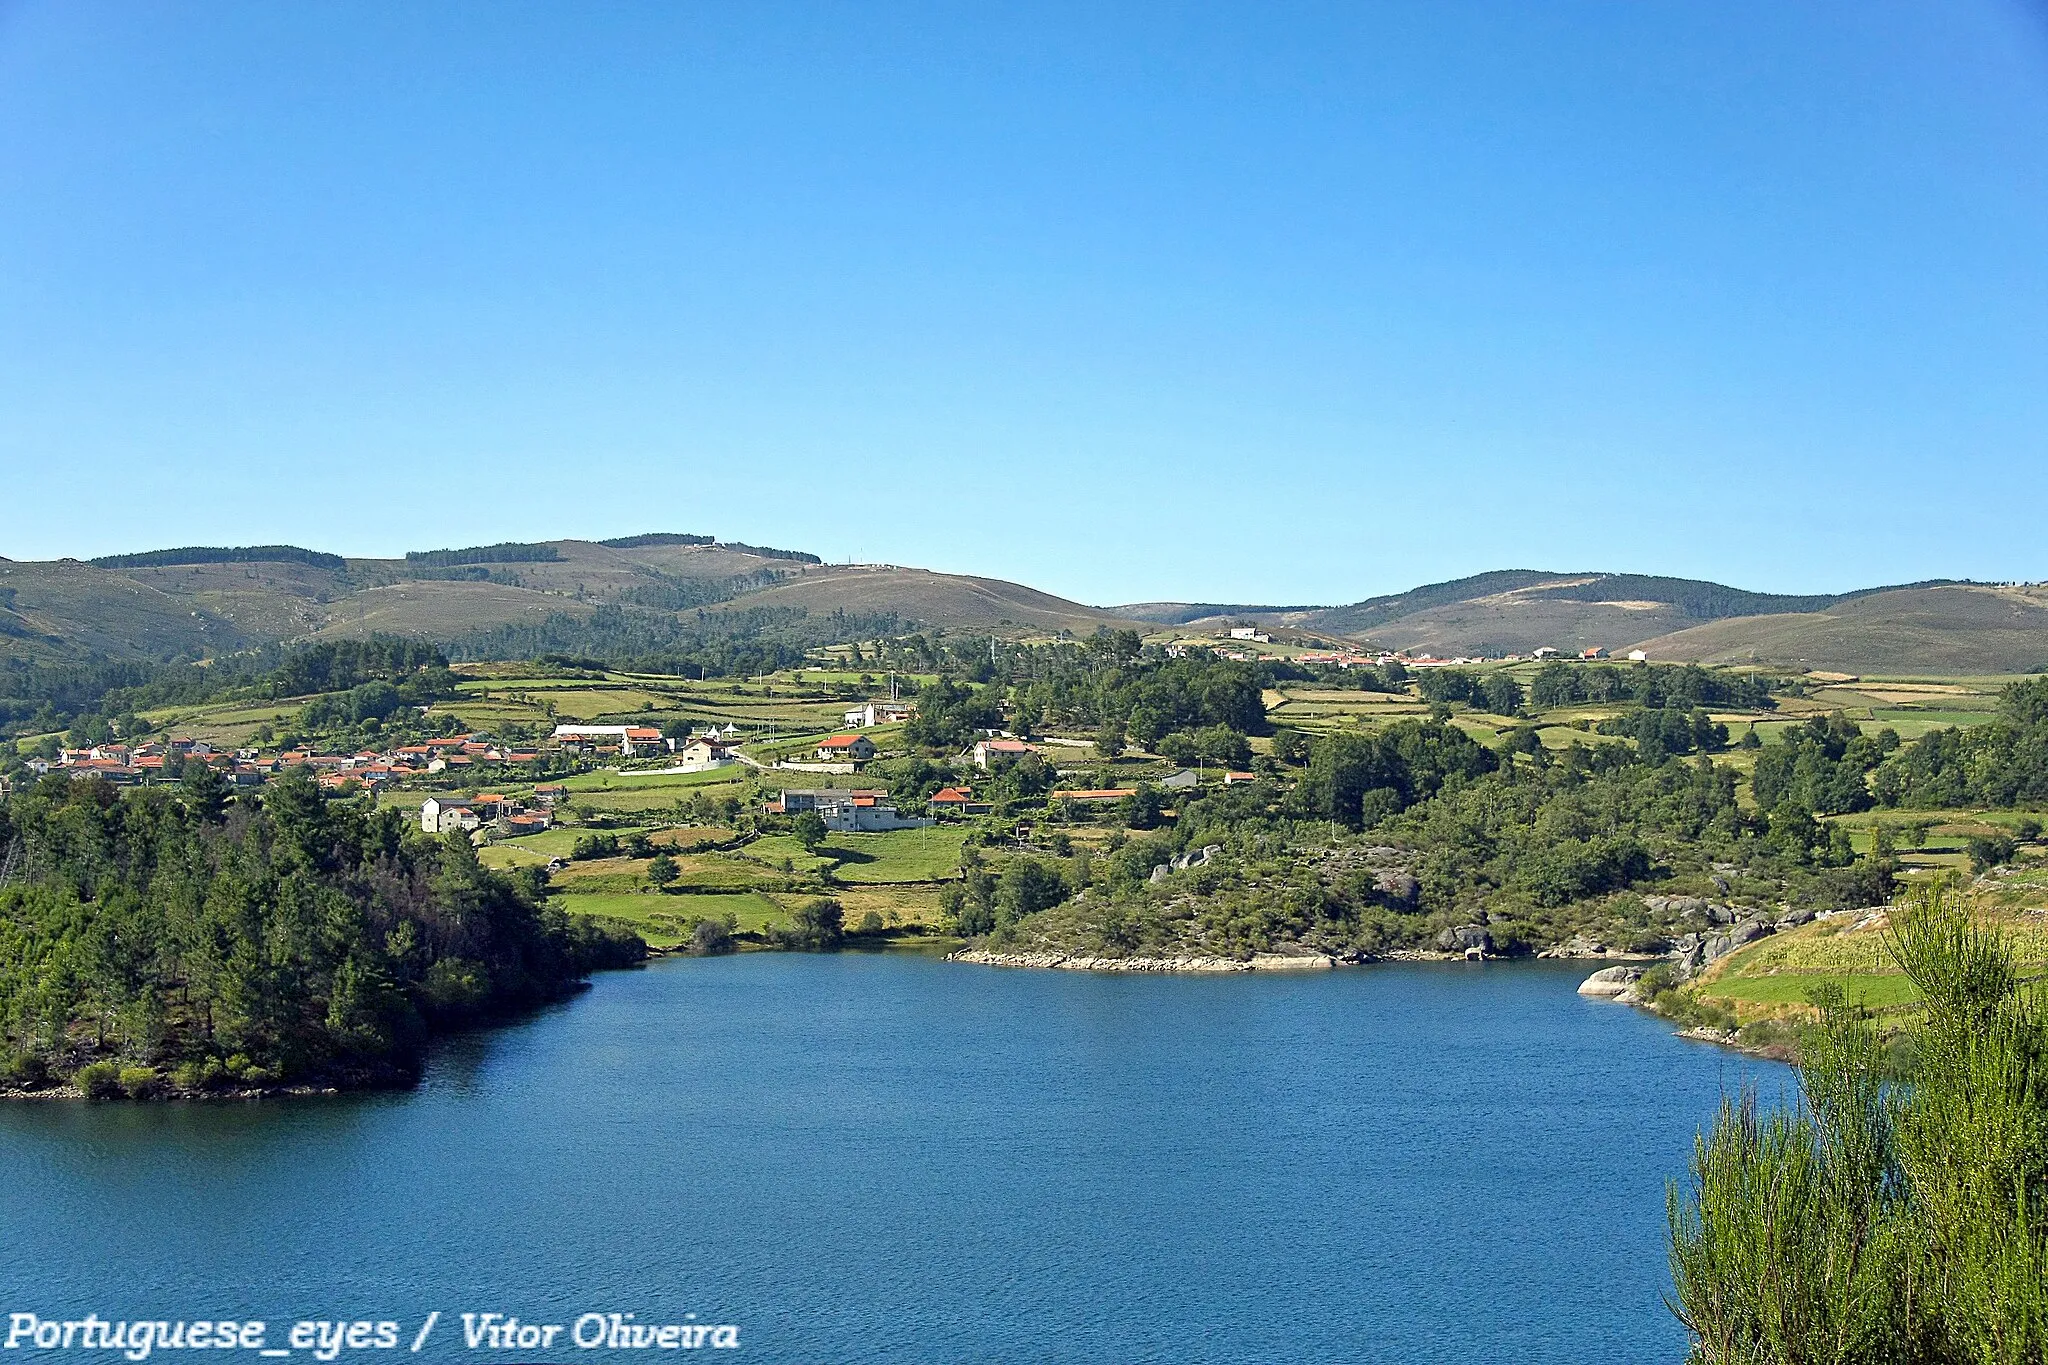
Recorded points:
199,600
1516,611
920,595
1948,629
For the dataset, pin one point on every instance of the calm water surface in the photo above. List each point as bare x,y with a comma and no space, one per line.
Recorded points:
890,1157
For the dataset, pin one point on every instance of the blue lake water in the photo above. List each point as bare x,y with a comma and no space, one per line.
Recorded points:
890,1157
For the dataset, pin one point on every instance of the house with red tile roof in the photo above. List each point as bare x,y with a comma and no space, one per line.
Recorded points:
845,748
989,752
959,800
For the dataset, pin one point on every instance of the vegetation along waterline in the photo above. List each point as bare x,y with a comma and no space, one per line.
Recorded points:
1898,1213
164,942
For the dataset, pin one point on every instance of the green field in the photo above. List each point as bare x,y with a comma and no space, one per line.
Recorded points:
623,782
552,843
1872,992
897,855
1784,969
665,921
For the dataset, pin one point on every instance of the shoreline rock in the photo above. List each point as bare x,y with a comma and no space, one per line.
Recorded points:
1611,983
1262,962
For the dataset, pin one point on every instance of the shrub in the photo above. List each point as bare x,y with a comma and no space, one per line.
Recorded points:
1873,1222
870,923
199,1075
820,926
1660,980
591,846
139,1082
710,937
98,1080
1988,851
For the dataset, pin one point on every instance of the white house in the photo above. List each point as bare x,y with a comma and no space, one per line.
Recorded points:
989,752
851,814
878,713
1250,633
439,814
704,753
1637,656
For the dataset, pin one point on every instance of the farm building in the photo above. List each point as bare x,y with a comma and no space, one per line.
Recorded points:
989,752
842,748
440,814
878,713
631,739
865,814
705,752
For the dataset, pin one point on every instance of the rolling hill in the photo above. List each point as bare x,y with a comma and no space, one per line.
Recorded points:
1516,611
1948,629
951,600
194,602
197,601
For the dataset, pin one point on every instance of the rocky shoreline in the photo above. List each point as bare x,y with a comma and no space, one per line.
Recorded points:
1266,962
1257,962
68,1091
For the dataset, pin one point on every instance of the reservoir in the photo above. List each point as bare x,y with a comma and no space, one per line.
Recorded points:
888,1157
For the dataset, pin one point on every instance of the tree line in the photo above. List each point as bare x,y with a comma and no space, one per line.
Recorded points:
179,939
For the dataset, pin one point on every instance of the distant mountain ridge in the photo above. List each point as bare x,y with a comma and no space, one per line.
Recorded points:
195,601
1517,611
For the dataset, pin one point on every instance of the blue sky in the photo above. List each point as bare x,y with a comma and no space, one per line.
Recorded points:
1286,303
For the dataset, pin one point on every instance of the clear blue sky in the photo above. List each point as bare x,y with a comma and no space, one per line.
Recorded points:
1270,302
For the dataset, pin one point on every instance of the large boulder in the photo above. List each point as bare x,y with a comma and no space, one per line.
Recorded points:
1466,938
1749,931
1398,887
1609,982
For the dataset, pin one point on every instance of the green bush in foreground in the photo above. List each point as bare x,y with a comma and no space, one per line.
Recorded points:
1884,1220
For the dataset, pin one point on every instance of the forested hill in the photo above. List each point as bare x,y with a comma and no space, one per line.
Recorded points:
176,940
206,601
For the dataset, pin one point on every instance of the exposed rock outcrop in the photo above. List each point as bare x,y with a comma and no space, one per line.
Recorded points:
1469,939
1610,983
